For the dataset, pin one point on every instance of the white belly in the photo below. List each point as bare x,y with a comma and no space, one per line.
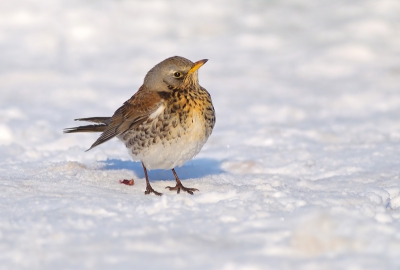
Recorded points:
177,151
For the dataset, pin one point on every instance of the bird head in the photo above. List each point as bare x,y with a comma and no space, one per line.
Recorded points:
173,73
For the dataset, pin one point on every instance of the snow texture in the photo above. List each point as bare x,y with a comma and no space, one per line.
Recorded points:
302,169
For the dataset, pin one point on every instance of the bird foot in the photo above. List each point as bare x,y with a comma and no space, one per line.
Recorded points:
149,190
127,182
179,186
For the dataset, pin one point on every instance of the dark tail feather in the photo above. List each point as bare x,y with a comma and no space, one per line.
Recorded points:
103,123
89,128
100,120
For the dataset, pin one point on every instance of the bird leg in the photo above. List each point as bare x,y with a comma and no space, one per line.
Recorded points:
149,189
179,185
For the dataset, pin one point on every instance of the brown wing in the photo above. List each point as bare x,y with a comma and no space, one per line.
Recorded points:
132,113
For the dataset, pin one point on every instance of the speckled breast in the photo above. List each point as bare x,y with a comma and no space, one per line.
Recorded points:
177,134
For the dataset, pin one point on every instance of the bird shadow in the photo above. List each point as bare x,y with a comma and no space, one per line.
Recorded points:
196,168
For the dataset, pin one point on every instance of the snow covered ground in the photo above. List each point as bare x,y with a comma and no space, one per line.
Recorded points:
302,170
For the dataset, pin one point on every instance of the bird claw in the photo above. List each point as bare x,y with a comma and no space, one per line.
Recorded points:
178,188
127,182
149,190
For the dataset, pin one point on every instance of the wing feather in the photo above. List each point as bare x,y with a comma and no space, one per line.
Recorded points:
131,114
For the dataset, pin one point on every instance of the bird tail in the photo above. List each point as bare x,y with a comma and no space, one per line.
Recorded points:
102,125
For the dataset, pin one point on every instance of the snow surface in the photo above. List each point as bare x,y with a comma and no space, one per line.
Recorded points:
302,169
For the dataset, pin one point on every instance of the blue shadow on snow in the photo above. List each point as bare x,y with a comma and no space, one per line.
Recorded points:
195,168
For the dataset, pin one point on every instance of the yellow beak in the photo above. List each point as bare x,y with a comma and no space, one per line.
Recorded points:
197,65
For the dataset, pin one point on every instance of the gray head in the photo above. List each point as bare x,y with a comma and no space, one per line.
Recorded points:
173,72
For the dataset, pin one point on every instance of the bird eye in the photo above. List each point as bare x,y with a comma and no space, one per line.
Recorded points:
177,74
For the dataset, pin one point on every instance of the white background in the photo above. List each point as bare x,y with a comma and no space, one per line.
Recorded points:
301,171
